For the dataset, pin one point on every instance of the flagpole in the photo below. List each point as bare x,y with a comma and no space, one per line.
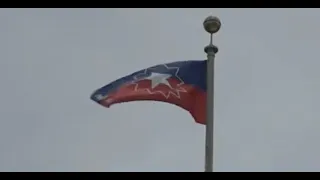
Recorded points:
212,25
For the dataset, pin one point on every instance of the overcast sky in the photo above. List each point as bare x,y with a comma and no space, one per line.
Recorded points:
267,90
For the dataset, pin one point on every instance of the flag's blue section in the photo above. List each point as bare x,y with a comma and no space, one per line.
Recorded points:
192,72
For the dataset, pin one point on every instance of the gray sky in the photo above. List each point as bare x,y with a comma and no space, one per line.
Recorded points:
267,90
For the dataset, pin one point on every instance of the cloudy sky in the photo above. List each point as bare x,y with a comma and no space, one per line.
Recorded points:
267,97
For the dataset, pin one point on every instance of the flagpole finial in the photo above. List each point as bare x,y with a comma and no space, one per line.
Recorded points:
212,24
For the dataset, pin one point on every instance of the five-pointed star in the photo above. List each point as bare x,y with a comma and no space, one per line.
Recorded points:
157,78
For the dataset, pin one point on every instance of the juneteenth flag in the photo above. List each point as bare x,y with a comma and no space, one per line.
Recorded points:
182,83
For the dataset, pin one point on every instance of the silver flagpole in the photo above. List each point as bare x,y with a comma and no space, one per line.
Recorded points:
211,25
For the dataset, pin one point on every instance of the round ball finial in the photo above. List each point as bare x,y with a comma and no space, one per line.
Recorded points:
212,24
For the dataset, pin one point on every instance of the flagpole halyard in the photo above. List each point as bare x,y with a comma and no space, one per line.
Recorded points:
212,25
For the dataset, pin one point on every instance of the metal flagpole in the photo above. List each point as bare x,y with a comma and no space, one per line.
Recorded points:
211,25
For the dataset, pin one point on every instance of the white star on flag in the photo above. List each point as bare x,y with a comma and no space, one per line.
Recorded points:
160,78
157,78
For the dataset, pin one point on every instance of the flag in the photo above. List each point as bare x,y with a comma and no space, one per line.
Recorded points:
182,83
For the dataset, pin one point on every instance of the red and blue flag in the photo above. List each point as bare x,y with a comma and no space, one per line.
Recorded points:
182,83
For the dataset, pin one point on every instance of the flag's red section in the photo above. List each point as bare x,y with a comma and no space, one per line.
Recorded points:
193,101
